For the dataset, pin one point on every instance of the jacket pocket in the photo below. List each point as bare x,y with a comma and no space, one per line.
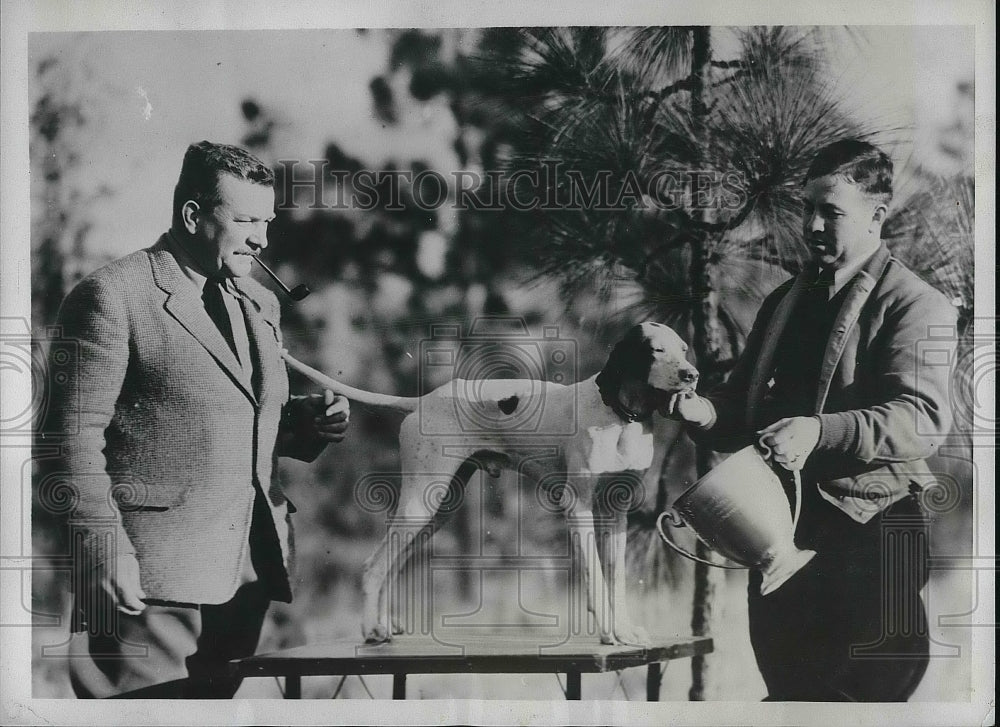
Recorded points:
133,495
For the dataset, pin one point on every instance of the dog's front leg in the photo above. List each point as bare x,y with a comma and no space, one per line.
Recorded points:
611,527
626,632
584,540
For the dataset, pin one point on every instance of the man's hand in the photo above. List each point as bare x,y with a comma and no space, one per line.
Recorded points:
687,406
791,440
311,422
323,417
119,579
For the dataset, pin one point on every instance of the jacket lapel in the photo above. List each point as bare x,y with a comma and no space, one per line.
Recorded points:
858,291
186,307
776,326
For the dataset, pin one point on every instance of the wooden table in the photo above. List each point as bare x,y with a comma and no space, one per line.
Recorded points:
409,655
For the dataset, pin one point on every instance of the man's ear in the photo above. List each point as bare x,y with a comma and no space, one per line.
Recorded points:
190,212
878,217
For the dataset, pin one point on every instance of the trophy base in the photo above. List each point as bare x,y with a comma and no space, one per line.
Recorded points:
782,568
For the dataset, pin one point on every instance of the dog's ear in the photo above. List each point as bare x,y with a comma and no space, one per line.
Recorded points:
630,360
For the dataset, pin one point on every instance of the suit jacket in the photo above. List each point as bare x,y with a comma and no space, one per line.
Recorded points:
882,393
166,438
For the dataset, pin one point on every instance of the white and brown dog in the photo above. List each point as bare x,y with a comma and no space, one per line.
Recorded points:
613,434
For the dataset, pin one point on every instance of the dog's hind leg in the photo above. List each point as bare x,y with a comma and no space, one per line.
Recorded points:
426,502
374,612
411,525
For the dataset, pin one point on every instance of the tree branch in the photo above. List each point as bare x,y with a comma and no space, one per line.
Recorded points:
703,227
729,64
685,84
730,79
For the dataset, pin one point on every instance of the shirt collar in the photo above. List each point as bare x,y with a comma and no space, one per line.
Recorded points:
842,276
192,271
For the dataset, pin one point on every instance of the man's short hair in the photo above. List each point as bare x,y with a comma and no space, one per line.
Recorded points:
858,162
203,164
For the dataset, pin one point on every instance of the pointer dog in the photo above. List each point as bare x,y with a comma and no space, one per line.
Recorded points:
613,434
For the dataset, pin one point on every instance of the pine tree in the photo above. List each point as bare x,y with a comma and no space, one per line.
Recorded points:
733,136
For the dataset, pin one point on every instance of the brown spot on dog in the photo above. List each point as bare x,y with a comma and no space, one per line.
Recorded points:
508,405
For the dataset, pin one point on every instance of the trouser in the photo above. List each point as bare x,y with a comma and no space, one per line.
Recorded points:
178,651
851,625
170,651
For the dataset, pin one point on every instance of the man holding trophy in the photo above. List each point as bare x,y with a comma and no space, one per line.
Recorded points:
830,382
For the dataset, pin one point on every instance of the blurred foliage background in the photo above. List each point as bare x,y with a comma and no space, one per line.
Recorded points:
628,103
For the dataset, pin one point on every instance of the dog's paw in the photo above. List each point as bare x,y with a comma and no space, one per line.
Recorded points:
631,635
396,628
378,634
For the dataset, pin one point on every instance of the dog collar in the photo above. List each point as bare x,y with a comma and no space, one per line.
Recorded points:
627,414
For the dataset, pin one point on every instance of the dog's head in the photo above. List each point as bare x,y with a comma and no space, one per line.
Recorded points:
645,369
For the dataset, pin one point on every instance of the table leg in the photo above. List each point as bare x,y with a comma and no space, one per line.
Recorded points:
654,678
573,685
399,686
293,686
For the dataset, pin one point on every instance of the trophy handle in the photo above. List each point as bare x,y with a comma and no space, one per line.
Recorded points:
675,520
765,452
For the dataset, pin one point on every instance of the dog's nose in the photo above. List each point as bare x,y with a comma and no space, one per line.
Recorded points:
688,376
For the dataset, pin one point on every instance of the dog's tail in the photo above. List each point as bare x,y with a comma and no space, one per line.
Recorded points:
404,404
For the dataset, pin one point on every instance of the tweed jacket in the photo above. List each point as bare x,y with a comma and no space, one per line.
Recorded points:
166,438
881,400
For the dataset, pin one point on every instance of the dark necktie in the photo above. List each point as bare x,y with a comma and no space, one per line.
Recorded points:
211,296
823,285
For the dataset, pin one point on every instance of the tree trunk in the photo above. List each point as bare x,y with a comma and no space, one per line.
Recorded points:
707,345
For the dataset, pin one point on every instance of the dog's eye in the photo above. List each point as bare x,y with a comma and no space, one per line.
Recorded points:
659,350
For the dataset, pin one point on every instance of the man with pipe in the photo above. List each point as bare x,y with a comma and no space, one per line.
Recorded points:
832,380
175,411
